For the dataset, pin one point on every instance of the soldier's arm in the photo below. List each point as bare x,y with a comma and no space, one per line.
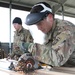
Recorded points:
56,55
29,37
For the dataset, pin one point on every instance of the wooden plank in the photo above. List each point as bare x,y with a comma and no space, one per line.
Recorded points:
45,71
10,72
48,72
70,70
36,72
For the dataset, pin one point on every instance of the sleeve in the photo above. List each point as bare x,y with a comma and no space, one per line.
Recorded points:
14,44
58,53
29,37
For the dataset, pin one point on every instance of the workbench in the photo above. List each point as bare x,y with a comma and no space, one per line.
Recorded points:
54,71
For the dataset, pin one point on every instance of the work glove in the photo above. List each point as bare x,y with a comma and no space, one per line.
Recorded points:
24,47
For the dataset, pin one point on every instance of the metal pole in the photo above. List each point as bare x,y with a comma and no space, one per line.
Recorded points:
62,12
10,6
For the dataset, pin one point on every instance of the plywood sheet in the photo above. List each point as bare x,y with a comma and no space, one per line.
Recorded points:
46,71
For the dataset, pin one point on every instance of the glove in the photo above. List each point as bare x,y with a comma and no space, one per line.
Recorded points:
24,47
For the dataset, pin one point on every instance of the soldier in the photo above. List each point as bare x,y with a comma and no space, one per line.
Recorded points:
20,35
59,45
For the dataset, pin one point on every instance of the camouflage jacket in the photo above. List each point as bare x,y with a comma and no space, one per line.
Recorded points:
59,44
22,36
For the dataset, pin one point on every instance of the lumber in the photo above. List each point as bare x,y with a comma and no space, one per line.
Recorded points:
46,71
36,72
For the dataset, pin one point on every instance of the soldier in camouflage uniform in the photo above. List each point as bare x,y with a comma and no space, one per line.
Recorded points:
20,35
59,45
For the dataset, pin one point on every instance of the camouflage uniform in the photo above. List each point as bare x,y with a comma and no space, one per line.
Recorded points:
22,36
59,44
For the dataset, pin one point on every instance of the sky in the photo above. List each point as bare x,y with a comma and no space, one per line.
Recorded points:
5,25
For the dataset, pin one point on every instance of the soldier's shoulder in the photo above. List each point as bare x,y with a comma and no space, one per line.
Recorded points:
25,30
64,23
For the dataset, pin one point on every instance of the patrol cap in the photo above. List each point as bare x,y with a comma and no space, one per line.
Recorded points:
17,20
38,12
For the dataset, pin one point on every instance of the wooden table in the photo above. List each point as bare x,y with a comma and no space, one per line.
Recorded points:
52,71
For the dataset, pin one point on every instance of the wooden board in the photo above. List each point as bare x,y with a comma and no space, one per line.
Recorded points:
45,71
37,72
65,69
